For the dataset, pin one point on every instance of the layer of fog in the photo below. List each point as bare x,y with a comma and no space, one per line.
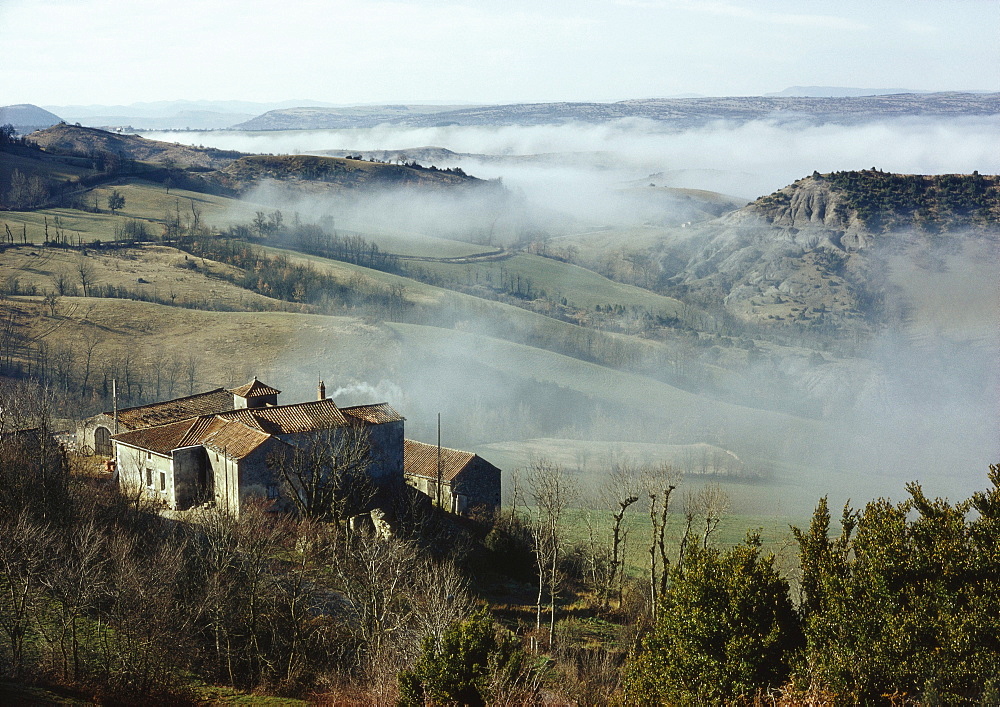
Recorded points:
745,160
919,402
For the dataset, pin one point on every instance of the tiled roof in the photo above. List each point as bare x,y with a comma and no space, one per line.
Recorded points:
240,432
421,459
290,419
162,439
234,439
377,414
209,403
254,389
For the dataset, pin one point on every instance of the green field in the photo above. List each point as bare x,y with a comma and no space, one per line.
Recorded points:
557,281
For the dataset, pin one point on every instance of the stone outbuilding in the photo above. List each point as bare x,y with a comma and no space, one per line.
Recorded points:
468,482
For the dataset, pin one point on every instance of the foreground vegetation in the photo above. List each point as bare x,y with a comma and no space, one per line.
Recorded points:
102,596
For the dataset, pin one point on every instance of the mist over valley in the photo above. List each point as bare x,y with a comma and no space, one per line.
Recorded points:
789,342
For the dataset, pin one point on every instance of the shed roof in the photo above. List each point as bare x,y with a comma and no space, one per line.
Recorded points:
208,403
421,459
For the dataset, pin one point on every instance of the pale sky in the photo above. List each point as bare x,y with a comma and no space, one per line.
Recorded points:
59,52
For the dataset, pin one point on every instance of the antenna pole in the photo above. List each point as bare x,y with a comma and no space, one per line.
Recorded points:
439,463
114,396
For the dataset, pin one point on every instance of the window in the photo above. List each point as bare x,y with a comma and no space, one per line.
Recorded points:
149,478
163,481
272,491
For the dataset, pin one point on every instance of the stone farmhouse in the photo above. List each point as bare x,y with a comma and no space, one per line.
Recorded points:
214,448
467,480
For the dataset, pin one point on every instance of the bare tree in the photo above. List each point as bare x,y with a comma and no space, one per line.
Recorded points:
60,279
195,217
191,372
74,588
552,491
660,481
619,492
326,475
24,554
85,273
440,598
51,300
375,575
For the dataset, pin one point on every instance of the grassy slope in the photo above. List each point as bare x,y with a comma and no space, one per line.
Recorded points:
580,287
160,268
145,201
32,162
153,203
229,347
501,319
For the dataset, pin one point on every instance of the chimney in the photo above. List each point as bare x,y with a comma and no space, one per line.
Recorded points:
321,393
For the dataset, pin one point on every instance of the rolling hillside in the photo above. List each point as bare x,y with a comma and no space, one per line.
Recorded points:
335,172
76,140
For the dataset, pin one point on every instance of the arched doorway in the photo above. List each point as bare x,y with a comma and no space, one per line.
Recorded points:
102,441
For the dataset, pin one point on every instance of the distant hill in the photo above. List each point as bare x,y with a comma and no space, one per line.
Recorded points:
224,171
182,120
839,91
818,252
308,117
334,173
677,112
71,139
172,115
26,117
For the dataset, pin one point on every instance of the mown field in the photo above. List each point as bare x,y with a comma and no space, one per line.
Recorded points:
555,280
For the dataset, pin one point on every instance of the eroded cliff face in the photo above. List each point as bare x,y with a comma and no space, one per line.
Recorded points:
804,256
813,204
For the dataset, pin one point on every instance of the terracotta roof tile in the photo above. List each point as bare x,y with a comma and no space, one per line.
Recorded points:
161,439
290,419
254,389
376,414
421,459
209,403
234,439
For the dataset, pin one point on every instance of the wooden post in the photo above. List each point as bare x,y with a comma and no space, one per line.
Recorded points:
439,474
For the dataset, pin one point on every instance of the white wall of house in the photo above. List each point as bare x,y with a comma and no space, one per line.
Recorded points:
147,472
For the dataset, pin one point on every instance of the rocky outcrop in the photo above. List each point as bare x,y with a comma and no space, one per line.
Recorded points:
814,252
812,205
